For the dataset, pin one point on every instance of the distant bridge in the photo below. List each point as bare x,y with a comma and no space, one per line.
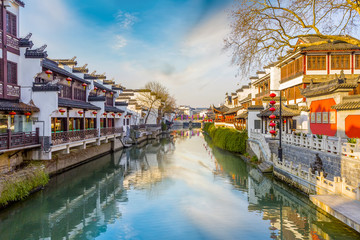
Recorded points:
188,123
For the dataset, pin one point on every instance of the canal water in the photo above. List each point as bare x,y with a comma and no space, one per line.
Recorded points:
168,189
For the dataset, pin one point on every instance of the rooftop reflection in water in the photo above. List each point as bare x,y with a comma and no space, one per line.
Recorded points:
181,188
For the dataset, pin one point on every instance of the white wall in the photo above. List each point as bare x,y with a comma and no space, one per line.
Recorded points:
252,116
47,102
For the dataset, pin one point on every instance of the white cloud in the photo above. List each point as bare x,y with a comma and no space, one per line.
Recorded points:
120,42
126,20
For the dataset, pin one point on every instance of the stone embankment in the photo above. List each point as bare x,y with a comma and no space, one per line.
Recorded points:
336,175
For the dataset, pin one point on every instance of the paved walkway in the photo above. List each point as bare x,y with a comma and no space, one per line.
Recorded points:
345,209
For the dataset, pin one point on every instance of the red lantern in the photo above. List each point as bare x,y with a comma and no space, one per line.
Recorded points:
27,114
272,116
94,112
111,93
48,72
273,132
284,121
119,114
272,124
84,85
12,114
95,88
129,116
272,109
62,111
81,113
104,91
105,114
113,114
69,79
272,95
272,102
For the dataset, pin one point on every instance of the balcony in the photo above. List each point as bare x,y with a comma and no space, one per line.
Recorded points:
73,136
19,140
262,94
110,131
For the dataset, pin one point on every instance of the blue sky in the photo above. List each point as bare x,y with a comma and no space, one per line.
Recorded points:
178,43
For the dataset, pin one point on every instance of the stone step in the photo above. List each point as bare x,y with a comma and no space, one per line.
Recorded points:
265,167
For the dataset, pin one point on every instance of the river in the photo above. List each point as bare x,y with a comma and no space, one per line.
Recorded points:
168,189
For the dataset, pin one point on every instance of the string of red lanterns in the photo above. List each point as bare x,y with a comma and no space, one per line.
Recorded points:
272,109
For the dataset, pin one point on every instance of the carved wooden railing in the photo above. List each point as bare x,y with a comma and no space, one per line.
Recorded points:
110,131
73,136
22,139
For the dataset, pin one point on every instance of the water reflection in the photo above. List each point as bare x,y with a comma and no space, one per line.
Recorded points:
181,188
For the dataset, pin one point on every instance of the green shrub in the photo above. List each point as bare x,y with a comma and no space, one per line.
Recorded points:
254,159
163,126
246,154
16,189
226,138
351,140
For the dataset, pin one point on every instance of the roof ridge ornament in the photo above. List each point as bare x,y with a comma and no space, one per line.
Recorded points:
41,49
27,37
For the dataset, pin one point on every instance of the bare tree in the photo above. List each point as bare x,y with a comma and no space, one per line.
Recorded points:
262,29
155,98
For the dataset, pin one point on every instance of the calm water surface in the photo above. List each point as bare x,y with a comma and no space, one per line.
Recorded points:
180,189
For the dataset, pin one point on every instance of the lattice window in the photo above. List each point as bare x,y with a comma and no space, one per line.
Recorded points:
12,72
357,61
316,62
11,27
65,92
340,62
79,94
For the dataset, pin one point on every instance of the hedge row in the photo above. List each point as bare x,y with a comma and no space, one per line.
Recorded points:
226,138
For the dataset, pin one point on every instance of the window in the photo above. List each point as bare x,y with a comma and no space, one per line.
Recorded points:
257,124
65,91
12,72
357,61
340,62
293,125
11,27
316,62
109,101
79,94
292,68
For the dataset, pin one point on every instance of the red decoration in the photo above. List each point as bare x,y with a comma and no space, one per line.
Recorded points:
272,109
272,116
12,114
113,114
48,72
272,95
84,85
27,114
95,88
111,93
69,79
272,124
105,114
284,121
81,113
272,102
273,132
119,114
94,112
62,111
104,91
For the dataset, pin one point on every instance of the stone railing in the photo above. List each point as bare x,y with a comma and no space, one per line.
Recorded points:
257,136
322,185
21,139
73,136
332,145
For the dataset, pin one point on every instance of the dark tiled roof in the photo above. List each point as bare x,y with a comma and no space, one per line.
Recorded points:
233,110
256,107
41,87
17,106
121,104
113,109
220,109
76,104
97,98
82,69
351,105
285,112
242,115
21,3
47,63
246,99
126,94
339,84
26,42
98,85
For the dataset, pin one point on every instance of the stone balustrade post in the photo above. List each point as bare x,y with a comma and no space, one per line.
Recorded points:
311,141
325,143
301,140
299,170
291,167
309,175
343,185
292,137
339,145
358,192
